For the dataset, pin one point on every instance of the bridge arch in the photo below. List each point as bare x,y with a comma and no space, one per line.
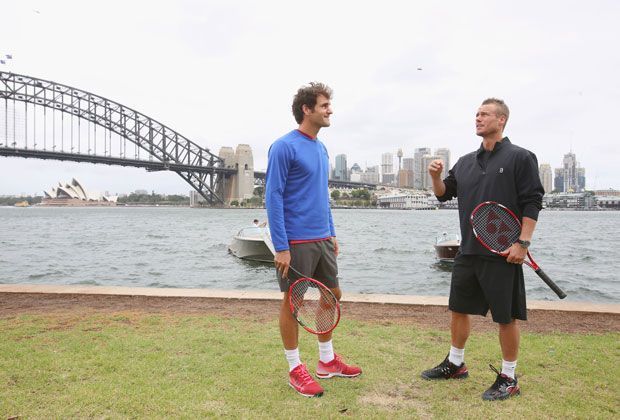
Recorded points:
156,147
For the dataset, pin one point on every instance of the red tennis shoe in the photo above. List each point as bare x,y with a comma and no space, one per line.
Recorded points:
337,368
301,381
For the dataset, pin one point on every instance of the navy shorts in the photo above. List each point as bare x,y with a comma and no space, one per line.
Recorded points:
312,259
480,283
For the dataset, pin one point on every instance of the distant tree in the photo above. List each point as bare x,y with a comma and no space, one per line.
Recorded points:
335,195
259,191
234,203
345,196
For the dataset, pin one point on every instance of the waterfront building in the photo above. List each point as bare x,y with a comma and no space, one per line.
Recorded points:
546,178
450,204
74,194
341,171
405,201
570,200
610,192
608,202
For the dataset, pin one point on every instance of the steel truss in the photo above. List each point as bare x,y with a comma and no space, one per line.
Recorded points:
166,149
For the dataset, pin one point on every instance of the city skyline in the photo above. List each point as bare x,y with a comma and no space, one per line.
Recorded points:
220,74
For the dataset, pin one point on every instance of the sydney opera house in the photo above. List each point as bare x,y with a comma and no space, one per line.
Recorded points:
74,194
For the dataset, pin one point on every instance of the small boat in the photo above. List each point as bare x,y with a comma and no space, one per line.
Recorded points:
446,247
253,243
22,204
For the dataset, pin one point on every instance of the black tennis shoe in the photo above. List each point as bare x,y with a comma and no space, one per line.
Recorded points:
446,370
503,388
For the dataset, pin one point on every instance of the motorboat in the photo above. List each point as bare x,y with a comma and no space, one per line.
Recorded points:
446,247
253,243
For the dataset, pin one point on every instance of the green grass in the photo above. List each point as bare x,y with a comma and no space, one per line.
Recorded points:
147,366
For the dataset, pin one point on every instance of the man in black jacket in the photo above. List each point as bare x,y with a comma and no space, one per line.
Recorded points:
502,172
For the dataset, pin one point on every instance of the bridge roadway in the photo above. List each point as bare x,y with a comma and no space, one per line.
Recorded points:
150,165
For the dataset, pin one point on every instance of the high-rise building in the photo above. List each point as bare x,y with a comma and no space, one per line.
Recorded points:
408,164
355,173
427,182
371,175
387,168
444,155
558,180
546,177
573,177
418,166
340,173
581,179
405,178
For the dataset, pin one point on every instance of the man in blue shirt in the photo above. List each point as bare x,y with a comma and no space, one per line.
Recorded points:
302,228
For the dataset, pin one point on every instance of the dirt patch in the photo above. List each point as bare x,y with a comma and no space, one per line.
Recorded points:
431,317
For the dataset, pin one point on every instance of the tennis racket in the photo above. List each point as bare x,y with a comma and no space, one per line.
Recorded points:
313,305
496,227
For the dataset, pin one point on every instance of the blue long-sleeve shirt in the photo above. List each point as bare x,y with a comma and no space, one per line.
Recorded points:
296,193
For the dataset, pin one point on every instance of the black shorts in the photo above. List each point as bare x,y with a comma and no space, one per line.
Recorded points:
312,259
480,283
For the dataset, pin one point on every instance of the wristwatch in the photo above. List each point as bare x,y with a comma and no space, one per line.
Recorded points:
524,244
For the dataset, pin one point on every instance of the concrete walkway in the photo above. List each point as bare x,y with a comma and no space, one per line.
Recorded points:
553,305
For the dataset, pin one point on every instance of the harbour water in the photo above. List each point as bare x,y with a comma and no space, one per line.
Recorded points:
382,251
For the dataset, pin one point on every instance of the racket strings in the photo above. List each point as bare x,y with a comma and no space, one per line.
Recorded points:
496,227
313,305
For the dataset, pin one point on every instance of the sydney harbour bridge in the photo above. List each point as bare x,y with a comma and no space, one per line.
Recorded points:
47,120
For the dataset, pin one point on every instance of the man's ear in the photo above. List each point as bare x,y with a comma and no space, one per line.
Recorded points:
306,109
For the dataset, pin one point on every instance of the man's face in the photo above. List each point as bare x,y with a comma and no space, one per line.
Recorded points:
488,122
319,116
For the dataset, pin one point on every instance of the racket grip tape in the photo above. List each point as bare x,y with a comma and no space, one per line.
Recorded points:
551,284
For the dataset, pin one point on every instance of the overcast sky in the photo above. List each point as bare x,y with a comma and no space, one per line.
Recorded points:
224,72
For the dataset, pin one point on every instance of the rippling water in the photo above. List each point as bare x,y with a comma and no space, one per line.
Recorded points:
383,251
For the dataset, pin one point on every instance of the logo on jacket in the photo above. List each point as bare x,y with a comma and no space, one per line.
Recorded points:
501,170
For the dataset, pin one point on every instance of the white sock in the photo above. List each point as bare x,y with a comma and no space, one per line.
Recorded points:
292,356
508,368
456,355
326,351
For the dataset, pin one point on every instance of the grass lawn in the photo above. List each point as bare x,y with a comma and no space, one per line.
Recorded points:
142,365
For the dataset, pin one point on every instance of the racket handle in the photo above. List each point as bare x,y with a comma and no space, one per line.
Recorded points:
550,283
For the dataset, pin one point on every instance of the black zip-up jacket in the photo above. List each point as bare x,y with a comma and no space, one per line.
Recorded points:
509,177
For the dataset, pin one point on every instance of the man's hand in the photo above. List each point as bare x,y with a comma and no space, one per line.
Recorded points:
515,254
336,246
282,260
435,168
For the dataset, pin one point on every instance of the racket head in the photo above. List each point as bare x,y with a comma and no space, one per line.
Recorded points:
313,305
495,226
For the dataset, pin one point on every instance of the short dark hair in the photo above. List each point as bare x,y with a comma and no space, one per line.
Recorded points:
500,106
307,95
